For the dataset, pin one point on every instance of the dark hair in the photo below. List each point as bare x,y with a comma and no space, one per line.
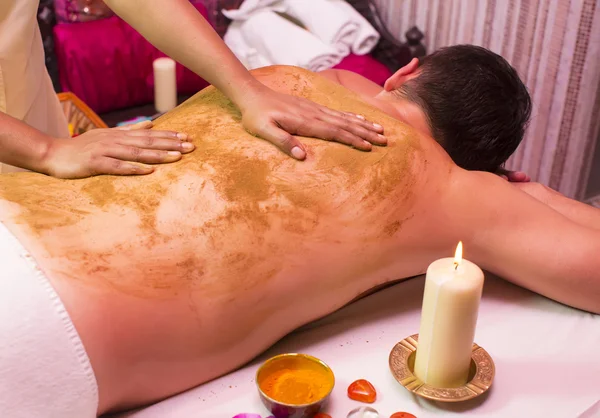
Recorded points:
476,105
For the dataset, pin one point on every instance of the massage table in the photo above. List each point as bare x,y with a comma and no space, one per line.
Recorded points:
547,359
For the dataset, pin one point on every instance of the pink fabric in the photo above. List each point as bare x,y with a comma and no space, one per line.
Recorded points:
367,66
108,65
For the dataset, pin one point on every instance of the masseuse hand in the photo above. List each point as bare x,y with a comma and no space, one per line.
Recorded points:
118,151
276,117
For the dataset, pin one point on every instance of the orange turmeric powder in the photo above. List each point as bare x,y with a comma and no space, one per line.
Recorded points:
296,387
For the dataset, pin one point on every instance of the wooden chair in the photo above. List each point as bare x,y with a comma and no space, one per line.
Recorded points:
80,117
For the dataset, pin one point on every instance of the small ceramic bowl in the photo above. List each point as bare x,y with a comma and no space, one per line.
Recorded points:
293,361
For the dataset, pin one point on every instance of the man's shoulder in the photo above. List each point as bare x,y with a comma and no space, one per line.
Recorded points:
274,72
297,81
281,71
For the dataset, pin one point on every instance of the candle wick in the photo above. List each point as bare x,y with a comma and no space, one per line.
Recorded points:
455,265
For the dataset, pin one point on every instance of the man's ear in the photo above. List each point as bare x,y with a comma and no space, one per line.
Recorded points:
408,72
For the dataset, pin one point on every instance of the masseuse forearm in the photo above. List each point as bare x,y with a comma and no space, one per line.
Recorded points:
176,28
21,145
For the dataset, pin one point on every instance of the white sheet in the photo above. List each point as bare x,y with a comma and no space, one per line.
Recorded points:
547,359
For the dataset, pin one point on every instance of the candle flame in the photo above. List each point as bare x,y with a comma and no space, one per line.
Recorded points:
458,255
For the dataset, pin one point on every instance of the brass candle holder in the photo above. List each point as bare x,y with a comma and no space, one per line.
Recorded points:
402,365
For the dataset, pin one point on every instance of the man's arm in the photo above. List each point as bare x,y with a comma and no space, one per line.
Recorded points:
99,151
578,212
176,28
525,241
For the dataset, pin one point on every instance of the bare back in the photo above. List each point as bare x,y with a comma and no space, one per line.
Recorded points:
219,253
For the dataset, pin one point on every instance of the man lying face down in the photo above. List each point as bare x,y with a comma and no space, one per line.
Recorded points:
467,98
124,291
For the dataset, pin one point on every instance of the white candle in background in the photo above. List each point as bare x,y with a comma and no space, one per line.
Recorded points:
453,289
165,84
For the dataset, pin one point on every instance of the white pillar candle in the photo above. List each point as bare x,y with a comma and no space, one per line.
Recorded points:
453,289
165,84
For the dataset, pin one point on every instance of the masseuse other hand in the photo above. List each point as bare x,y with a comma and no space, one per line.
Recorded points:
513,176
276,117
118,151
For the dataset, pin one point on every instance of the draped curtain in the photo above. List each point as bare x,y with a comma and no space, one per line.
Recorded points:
555,47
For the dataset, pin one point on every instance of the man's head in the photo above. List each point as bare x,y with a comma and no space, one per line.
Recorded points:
469,99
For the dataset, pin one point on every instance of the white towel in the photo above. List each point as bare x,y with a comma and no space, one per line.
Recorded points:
327,21
249,7
367,37
247,55
283,42
235,41
257,60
